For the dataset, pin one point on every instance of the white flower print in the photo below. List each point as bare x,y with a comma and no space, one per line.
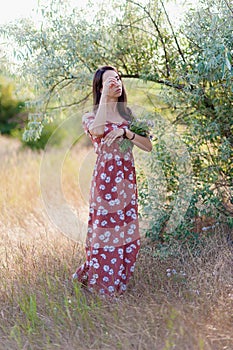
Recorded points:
130,176
111,167
127,260
102,187
101,237
111,272
120,173
134,216
113,260
111,289
123,286
98,199
117,157
128,240
108,196
105,279
106,268
111,249
112,219
132,268
107,234
122,234
130,231
130,186
104,223
95,275
96,265
119,162
116,240
118,179
96,245
123,276
114,189
129,250
93,281
111,203
104,212
95,251
117,281
109,156
103,176
103,256
120,251
108,179
128,213
117,228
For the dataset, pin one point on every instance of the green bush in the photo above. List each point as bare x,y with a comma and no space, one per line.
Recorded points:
11,109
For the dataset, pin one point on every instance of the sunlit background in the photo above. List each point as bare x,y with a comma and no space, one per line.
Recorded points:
12,10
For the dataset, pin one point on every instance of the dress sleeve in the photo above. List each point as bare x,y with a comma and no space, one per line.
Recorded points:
86,122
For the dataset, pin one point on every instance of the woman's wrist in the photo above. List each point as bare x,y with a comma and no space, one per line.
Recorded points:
129,134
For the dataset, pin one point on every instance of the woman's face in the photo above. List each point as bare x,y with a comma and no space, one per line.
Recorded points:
115,89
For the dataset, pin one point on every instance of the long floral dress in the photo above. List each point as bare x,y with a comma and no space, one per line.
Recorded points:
113,240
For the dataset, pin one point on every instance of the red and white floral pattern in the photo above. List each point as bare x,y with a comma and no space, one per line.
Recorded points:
113,239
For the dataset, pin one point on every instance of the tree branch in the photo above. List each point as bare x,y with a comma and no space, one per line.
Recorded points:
159,81
173,33
159,34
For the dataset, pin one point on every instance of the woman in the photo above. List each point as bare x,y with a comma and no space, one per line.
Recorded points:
113,239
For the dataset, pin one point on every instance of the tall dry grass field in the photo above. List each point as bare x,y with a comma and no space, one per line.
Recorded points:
181,302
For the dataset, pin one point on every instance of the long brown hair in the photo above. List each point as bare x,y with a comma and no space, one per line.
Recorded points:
97,84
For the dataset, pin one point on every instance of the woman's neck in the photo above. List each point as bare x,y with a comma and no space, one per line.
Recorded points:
111,107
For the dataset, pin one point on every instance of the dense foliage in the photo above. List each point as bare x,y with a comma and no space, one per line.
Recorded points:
11,108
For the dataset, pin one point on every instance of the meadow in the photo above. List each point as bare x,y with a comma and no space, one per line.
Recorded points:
183,301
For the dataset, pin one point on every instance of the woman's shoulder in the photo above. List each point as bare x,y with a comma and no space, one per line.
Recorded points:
88,115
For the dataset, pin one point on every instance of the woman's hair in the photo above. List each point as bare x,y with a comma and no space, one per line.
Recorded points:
97,85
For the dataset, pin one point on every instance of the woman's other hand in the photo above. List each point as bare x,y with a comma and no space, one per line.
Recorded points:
112,136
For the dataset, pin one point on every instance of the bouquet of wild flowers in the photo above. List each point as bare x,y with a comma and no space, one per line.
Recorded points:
140,127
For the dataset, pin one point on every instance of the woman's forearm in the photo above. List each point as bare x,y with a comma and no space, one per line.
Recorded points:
97,127
141,141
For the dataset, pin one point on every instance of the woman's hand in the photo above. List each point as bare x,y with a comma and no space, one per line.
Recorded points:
112,136
109,85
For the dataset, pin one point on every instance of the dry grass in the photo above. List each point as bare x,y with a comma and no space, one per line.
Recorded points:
41,309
